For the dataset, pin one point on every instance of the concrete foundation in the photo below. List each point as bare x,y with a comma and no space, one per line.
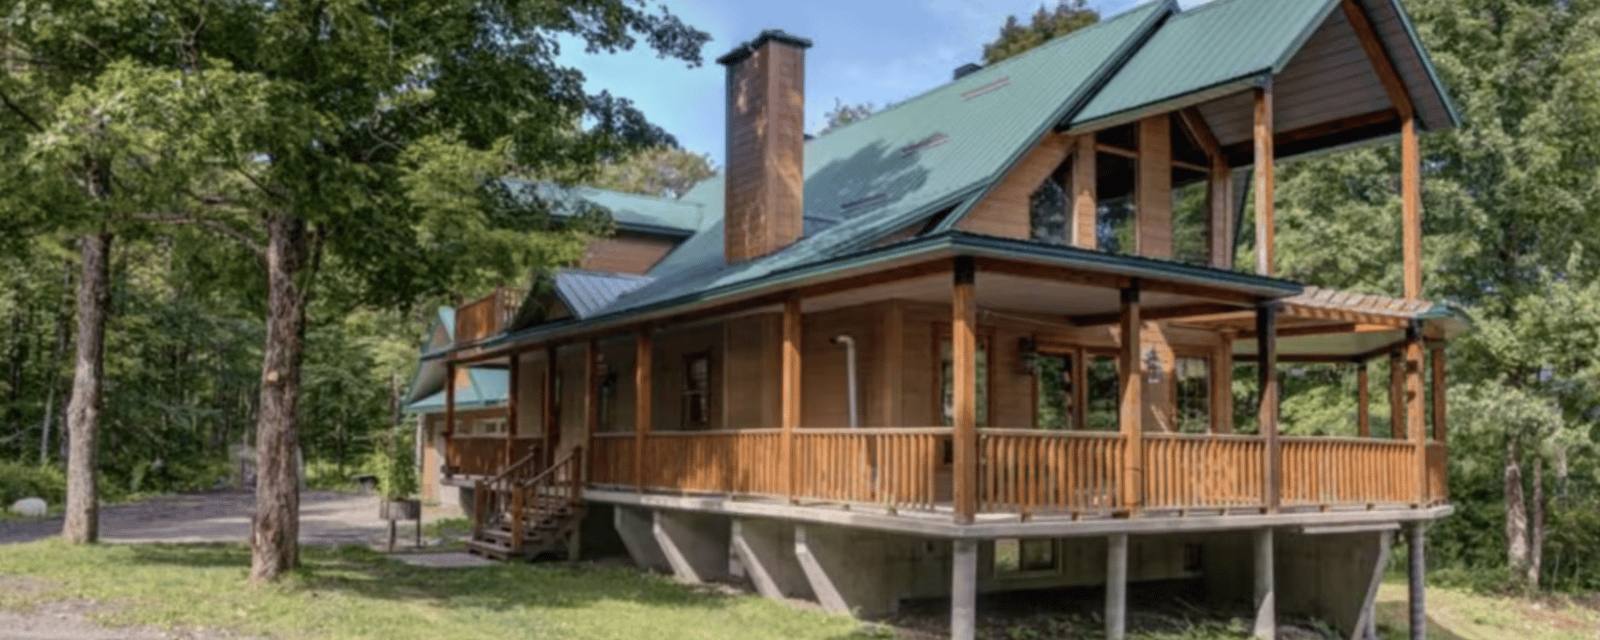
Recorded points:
847,569
634,527
763,554
1331,577
695,544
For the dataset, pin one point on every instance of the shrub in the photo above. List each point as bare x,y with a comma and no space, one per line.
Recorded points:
20,480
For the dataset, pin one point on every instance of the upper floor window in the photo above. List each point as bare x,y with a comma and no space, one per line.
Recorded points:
1050,207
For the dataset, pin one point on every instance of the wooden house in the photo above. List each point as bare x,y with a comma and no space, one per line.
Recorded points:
986,339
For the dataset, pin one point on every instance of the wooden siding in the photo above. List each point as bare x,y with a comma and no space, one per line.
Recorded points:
750,367
1004,212
824,396
626,252
671,374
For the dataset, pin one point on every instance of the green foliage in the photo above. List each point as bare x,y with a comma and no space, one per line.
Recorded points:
843,114
663,172
393,461
1047,24
20,480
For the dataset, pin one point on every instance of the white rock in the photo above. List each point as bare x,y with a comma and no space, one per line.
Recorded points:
30,507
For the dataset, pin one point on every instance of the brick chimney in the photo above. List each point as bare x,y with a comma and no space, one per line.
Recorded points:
765,175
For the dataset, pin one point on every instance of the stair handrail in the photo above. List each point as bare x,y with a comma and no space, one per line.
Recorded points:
484,504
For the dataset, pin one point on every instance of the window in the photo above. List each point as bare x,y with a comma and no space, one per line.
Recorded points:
1192,379
1054,408
1191,217
1050,207
947,382
1014,556
697,390
607,408
1105,394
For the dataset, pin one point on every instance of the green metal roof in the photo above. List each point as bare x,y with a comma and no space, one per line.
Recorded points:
645,213
485,388
1210,45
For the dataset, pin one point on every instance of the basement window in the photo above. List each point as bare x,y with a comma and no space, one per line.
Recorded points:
1016,557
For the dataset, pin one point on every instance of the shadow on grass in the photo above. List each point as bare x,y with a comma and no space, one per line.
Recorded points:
1400,611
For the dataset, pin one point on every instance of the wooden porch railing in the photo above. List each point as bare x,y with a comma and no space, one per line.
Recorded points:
612,460
488,315
486,455
742,461
1203,471
1027,470
1331,471
896,468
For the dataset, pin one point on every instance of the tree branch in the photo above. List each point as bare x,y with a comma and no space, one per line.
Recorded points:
212,225
20,113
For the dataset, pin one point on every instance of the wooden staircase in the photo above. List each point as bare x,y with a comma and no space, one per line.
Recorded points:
527,513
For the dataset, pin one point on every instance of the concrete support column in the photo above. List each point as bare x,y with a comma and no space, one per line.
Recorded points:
763,551
964,590
1266,596
635,525
1415,550
1117,586
695,544
846,569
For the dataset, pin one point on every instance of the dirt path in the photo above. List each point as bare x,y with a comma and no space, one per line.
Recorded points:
326,518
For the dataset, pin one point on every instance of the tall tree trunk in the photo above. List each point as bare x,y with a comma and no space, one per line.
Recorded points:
19,356
53,382
83,409
1536,525
274,546
1516,509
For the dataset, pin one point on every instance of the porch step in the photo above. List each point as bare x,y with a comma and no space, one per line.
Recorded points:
543,536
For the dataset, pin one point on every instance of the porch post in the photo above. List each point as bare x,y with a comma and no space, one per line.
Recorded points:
1397,401
1265,186
591,401
511,410
1363,401
1440,423
963,589
1416,425
643,350
1411,206
789,392
1221,385
1267,410
449,416
547,406
1131,410
964,387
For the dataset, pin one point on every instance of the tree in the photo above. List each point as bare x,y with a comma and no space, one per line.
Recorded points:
361,142
842,114
1046,25
664,172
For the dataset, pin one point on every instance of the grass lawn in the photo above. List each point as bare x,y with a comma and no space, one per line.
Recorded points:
1454,614
351,592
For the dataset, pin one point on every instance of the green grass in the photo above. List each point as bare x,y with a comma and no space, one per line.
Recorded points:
351,592
1459,614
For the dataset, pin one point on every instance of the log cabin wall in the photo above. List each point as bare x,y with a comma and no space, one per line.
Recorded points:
626,252
616,374
673,345
529,391
824,394
751,369
1004,212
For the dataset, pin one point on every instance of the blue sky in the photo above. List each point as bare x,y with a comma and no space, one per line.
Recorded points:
877,51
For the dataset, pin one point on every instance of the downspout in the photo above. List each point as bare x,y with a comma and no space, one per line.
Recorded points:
850,376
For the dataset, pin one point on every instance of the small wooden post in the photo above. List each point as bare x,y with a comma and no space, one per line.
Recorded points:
789,391
643,350
1117,586
1441,426
1416,425
1265,185
1085,201
1130,413
449,417
547,406
1363,401
511,409
1267,414
964,387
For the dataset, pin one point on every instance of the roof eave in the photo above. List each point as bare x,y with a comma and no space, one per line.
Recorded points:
1199,96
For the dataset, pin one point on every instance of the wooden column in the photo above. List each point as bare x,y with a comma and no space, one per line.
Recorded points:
1222,385
1153,188
1416,415
643,350
449,416
511,409
1219,189
1267,412
1441,426
1397,400
789,391
591,399
547,406
1130,413
1411,207
1363,401
1265,186
964,387
1085,199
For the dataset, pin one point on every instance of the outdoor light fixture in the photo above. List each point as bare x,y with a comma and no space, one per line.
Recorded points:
1152,366
1027,355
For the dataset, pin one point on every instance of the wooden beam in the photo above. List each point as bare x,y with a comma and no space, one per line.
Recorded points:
1416,416
1048,272
1411,207
1185,164
1085,201
547,405
1116,151
1158,313
1363,402
1382,65
1266,188
1130,413
893,350
1195,123
1219,188
1441,426
1153,188
964,387
1331,133
591,399
1309,330
643,354
1267,412
512,413
789,389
